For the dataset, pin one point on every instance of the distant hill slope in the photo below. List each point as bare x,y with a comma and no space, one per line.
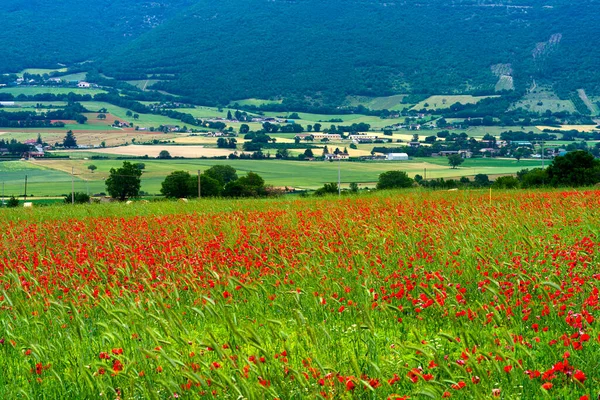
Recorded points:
43,33
325,50
234,49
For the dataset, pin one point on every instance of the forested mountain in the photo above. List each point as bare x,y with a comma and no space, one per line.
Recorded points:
234,49
46,33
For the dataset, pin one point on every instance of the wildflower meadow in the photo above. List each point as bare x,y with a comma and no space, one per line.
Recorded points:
392,295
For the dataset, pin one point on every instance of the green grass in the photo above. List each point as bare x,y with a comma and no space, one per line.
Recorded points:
33,90
40,71
40,180
445,101
143,84
53,177
80,76
145,120
337,298
254,102
379,103
541,99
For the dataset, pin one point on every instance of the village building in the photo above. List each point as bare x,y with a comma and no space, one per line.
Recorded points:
397,157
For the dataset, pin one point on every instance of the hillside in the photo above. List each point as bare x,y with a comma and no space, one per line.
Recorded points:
236,49
47,33
321,51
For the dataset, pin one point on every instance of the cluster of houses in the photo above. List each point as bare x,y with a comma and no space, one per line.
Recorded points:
355,138
52,81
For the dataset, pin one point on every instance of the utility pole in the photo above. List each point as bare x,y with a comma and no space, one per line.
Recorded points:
199,185
339,176
2,204
73,185
25,187
424,174
542,143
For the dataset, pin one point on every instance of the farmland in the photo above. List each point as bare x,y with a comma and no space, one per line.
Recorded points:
379,103
373,296
33,90
301,175
543,98
445,101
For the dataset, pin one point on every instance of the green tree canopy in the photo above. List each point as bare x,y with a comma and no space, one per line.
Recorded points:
251,185
179,184
577,168
124,182
69,141
222,173
164,155
394,180
454,160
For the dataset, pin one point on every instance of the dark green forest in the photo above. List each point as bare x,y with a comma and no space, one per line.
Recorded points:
50,33
313,50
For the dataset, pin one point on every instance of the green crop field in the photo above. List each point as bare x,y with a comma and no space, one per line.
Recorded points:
254,102
53,176
143,84
144,120
40,71
445,101
379,103
543,98
33,90
79,76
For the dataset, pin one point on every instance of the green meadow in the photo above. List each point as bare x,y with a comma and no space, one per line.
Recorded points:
33,90
53,177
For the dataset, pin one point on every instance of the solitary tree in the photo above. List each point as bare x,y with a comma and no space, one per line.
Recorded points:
12,202
136,116
454,160
394,180
522,152
124,182
244,128
129,113
101,116
92,167
164,155
69,140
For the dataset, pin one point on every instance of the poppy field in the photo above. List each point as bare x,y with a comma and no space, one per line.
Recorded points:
389,295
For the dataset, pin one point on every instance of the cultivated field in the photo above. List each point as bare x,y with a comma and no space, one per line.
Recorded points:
580,128
40,71
154,150
33,90
445,101
541,99
297,174
254,102
379,103
403,294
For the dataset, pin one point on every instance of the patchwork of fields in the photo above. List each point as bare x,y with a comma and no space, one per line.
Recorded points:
52,177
